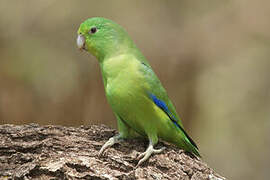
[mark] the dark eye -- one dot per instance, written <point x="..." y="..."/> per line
<point x="93" y="30"/>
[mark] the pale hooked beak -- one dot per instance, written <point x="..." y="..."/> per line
<point x="81" y="42"/>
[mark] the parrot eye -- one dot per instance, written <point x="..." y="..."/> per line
<point x="93" y="30"/>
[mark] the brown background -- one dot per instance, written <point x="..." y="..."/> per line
<point x="213" y="58"/>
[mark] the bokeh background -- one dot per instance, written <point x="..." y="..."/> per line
<point x="213" y="57"/>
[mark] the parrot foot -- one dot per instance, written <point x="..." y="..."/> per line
<point x="113" y="140"/>
<point x="149" y="151"/>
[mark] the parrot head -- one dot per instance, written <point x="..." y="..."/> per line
<point x="102" y="37"/>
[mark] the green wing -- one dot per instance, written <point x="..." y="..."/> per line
<point x="159" y="96"/>
<point x="156" y="89"/>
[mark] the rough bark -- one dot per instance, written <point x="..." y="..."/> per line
<point x="57" y="152"/>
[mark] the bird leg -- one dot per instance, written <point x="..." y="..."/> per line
<point x="149" y="151"/>
<point x="113" y="140"/>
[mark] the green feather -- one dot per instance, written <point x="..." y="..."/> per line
<point x="128" y="79"/>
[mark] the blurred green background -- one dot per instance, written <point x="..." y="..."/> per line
<point x="213" y="57"/>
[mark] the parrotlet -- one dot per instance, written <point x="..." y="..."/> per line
<point x="139" y="101"/>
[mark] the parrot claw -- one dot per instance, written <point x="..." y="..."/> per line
<point x="149" y="151"/>
<point x="109" y="143"/>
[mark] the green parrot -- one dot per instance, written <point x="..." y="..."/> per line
<point x="139" y="101"/>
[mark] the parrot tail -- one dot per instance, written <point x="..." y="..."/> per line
<point x="190" y="145"/>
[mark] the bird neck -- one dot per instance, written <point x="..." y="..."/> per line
<point x="119" y="46"/>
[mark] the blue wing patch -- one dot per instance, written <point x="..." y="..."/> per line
<point x="165" y="108"/>
<point x="162" y="105"/>
<point x="159" y="103"/>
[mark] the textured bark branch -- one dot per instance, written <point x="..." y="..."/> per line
<point x="44" y="152"/>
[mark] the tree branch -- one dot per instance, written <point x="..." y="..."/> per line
<point x="43" y="152"/>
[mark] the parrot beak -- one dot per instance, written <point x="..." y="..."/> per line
<point x="81" y="42"/>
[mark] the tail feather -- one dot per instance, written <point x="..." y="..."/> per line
<point x="193" y="149"/>
<point x="190" y="144"/>
<point x="189" y="138"/>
